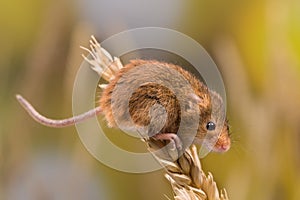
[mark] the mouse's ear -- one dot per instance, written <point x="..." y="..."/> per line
<point x="195" y="98"/>
<point x="203" y="100"/>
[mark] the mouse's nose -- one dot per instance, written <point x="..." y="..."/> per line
<point x="223" y="144"/>
<point x="221" y="148"/>
<point x="225" y="147"/>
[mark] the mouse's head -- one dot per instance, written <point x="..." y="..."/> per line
<point x="217" y="136"/>
<point x="213" y="131"/>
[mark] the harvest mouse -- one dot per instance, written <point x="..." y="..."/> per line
<point x="160" y="100"/>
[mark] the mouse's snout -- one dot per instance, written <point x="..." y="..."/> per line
<point x="223" y="143"/>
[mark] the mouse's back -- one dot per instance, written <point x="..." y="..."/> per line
<point x="153" y="96"/>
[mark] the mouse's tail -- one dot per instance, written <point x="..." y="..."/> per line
<point x="57" y="123"/>
<point x="102" y="62"/>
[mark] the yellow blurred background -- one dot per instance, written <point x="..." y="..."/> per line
<point x="255" y="44"/>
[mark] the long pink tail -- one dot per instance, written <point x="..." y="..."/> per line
<point x="57" y="123"/>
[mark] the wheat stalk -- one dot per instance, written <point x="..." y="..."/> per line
<point x="187" y="179"/>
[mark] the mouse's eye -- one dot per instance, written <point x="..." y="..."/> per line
<point x="210" y="126"/>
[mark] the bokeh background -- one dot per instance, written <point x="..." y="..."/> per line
<point x="255" y="44"/>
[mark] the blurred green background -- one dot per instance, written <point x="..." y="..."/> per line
<point x="255" y="44"/>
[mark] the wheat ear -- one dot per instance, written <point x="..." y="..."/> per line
<point x="185" y="175"/>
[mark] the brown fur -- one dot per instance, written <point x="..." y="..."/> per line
<point x="151" y="93"/>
